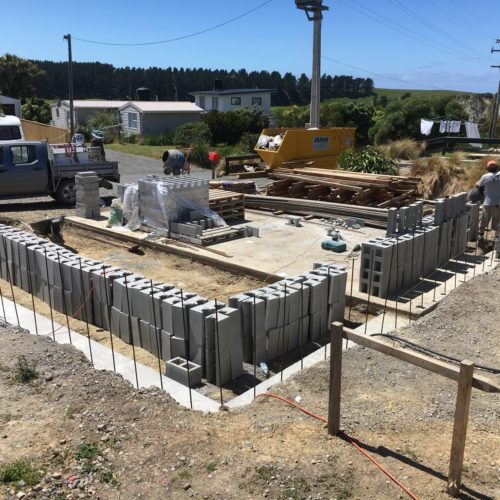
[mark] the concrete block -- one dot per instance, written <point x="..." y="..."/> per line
<point x="183" y="371"/>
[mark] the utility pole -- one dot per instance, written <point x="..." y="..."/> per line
<point x="493" y="126"/>
<point x="70" y="77"/>
<point x="314" y="12"/>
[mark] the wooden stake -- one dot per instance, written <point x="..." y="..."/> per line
<point x="460" y="427"/>
<point x="335" y="377"/>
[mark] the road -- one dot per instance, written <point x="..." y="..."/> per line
<point x="132" y="167"/>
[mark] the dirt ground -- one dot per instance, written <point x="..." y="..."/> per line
<point x="90" y="434"/>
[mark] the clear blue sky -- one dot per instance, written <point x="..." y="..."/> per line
<point x="442" y="44"/>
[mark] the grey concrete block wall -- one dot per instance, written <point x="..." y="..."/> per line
<point x="168" y="322"/>
<point x="415" y="245"/>
<point x="283" y="316"/>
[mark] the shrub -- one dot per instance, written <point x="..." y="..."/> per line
<point x="191" y="133"/>
<point x="403" y="149"/>
<point x="106" y="121"/>
<point x="24" y="371"/>
<point x="445" y="176"/>
<point x="88" y="451"/>
<point x="129" y="139"/>
<point x="367" y="160"/>
<point x="164" y="139"/>
<point x="229" y="127"/>
<point x="20" y="470"/>
<point x="247" y="142"/>
<point x="199" y="155"/>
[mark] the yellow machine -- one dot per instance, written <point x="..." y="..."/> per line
<point x="318" y="148"/>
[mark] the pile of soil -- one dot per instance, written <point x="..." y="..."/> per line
<point x="86" y="433"/>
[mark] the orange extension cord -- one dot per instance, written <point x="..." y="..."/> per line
<point x="344" y="436"/>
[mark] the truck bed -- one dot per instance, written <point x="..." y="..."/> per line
<point x="106" y="169"/>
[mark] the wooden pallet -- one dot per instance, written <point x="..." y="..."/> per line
<point x="227" y="204"/>
<point x="211" y="236"/>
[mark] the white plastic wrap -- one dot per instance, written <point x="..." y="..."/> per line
<point x="174" y="199"/>
<point x="131" y="207"/>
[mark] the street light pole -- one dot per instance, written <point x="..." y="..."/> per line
<point x="70" y="78"/>
<point x="314" y="12"/>
<point x="316" y="75"/>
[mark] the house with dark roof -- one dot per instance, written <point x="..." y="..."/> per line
<point x="232" y="99"/>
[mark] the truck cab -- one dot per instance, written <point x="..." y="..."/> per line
<point x="23" y="168"/>
<point x="10" y="129"/>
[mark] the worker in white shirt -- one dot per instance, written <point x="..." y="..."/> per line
<point x="489" y="186"/>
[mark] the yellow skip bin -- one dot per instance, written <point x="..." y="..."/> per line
<point x="317" y="147"/>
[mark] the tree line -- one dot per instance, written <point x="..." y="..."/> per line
<point x="98" y="80"/>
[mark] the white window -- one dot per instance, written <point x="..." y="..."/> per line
<point x="132" y="120"/>
<point x="201" y="101"/>
<point x="215" y="102"/>
<point x="57" y="112"/>
<point x="235" y="101"/>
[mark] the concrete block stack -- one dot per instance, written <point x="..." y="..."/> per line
<point x="283" y="316"/>
<point x="87" y="195"/>
<point x="415" y="245"/>
<point x="163" y="200"/>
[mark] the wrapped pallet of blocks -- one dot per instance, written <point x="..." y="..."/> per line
<point x="164" y="200"/>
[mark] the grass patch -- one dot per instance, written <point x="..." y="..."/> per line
<point x="265" y="472"/>
<point x="20" y="470"/>
<point x="155" y="152"/>
<point x="107" y="476"/>
<point x="185" y="474"/>
<point x="211" y="466"/>
<point x="24" y="371"/>
<point x="297" y="489"/>
<point x="88" y="451"/>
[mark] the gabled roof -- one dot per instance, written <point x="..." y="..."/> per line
<point x="82" y="103"/>
<point x="164" y="106"/>
<point x="231" y="91"/>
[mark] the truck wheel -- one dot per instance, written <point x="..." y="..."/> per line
<point x="66" y="194"/>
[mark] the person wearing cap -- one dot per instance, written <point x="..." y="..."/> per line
<point x="489" y="185"/>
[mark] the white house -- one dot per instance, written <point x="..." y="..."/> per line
<point x="232" y="99"/>
<point x="10" y="106"/>
<point x="82" y="111"/>
<point x="155" y="117"/>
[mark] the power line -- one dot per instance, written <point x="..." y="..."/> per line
<point x="471" y="14"/>
<point x="381" y="75"/>
<point x="431" y="26"/>
<point x="183" y="37"/>
<point x="409" y="33"/>
<point x="457" y="20"/>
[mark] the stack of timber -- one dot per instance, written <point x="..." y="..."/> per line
<point x="372" y="216"/>
<point x="369" y="190"/>
<point x="227" y="204"/>
<point x="238" y="186"/>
